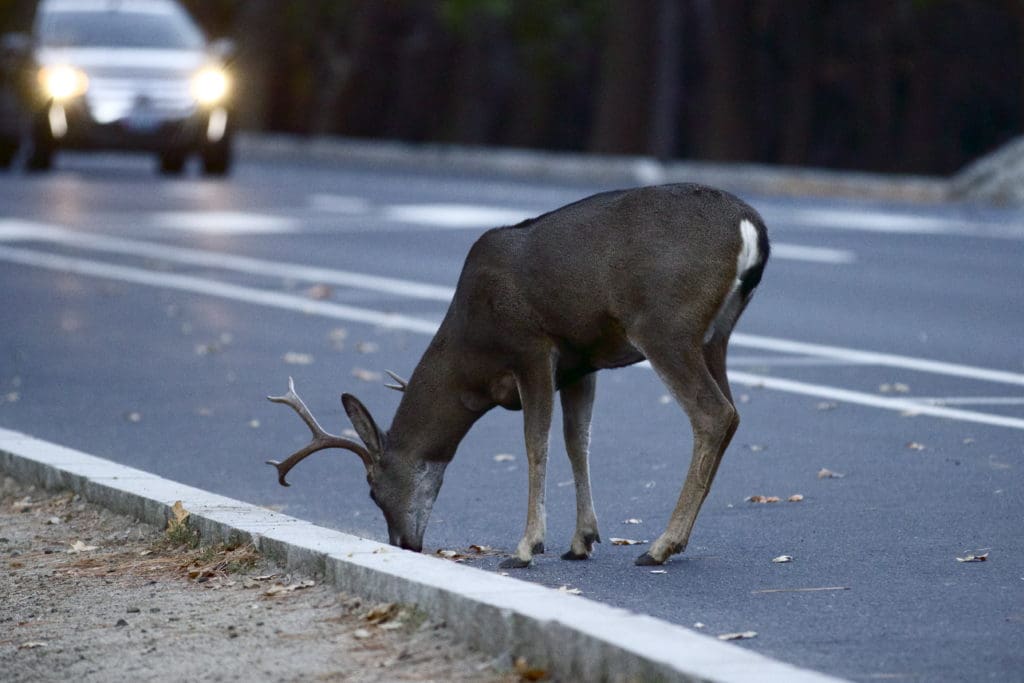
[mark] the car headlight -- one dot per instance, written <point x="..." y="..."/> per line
<point x="63" y="82"/>
<point x="210" y="85"/>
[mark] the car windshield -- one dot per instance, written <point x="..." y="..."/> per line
<point x="119" y="28"/>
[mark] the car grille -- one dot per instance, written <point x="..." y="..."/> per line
<point x="111" y="99"/>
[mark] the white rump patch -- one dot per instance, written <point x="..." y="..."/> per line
<point x="748" y="252"/>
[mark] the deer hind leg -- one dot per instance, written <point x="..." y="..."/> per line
<point x="693" y="381"/>
<point x="537" y="392"/>
<point x="577" y="407"/>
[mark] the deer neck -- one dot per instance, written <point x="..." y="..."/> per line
<point x="432" y="418"/>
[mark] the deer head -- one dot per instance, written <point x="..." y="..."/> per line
<point x="402" y="486"/>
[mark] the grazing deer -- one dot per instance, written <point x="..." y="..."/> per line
<point x="657" y="273"/>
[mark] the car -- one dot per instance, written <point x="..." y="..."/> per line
<point x="117" y="74"/>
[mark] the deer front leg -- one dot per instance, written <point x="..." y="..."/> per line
<point x="536" y="391"/>
<point x="577" y="407"/>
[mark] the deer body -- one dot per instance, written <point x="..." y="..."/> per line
<point x="658" y="273"/>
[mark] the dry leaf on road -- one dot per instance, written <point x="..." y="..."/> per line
<point x="743" y="635"/>
<point x="762" y="499"/>
<point x="504" y="457"/>
<point x="625" y="541"/>
<point x="973" y="558"/>
<point x="795" y="498"/>
<point x="825" y="473"/>
<point x="366" y="375"/>
<point x="781" y="559"/>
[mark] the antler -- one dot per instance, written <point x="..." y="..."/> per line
<point x="321" y="438"/>
<point x="400" y="384"/>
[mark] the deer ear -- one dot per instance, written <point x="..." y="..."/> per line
<point x="364" y="425"/>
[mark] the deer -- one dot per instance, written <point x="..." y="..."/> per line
<point x="660" y="273"/>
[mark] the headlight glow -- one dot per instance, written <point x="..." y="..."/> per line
<point x="63" y="82"/>
<point x="210" y="85"/>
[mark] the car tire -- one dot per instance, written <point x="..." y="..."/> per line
<point x="217" y="158"/>
<point x="8" y="150"/>
<point x="172" y="162"/>
<point x="41" y="146"/>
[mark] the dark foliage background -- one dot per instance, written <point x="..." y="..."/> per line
<point x="886" y="85"/>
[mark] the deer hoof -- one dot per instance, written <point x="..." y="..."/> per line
<point x="514" y="563"/>
<point x="538" y="548"/>
<point x="571" y="555"/>
<point x="646" y="560"/>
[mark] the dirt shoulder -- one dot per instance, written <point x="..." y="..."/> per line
<point x="89" y="595"/>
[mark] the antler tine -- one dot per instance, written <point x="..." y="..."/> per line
<point x="400" y="384"/>
<point x="321" y="438"/>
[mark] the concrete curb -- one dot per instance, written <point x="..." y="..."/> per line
<point x="572" y="637"/>
<point x="624" y="170"/>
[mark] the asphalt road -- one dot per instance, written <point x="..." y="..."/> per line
<point x="144" y="320"/>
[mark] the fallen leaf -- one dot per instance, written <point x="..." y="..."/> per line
<point x="366" y="375"/>
<point x="570" y="591"/>
<point x="381" y="613"/>
<point x="659" y="571"/>
<point x="296" y="358"/>
<point x="453" y="555"/>
<point x="79" y="547"/>
<point x="179" y="516"/>
<point x="915" y="446"/>
<point x="319" y="292"/>
<point x="31" y="645"/>
<point x="781" y="559"/>
<point x="795" y="498"/>
<point x="481" y="549"/>
<point x="280" y="589"/>
<point x="974" y="558"/>
<point x="632" y="520"/>
<point x="824" y="473"/>
<point x="743" y="635"/>
<point x="504" y="457"/>
<point x="625" y="541"/>
<point x="529" y="673"/>
<point x="762" y="499"/>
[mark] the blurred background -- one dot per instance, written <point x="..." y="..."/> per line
<point x="920" y="86"/>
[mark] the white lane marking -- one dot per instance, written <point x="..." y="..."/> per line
<point x="864" y="220"/>
<point x="341" y="204"/>
<point x="25" y="230"/>
<point x="900" y="405"/>
<point x="786" y="361"/>
<point x="223" y="222"/>
<point x="799" y="252"/>
<point x="874" y="358"/>
<point x="294" y="303"/>
<point x="198" y="285"/>
<point x="971" y="401"/>
<point x="454" y="215"/>
<point x="17" y="229"/>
